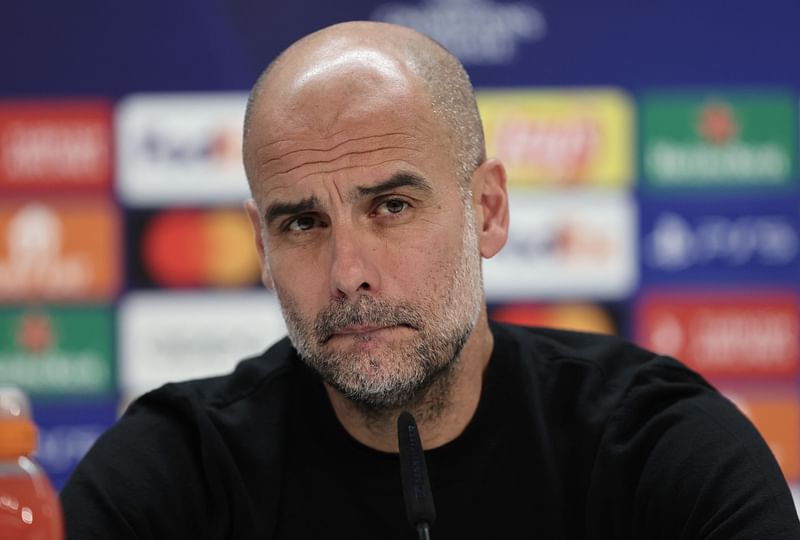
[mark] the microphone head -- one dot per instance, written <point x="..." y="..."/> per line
<point x="414" y="473"/>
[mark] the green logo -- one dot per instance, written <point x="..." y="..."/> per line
<point x="58" y="352"/>
<point x="705" y="140"/>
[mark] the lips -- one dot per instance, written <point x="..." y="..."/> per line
<point x="359" y="333"/>
<point x="362" y="330"/>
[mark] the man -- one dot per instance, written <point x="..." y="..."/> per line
<point x="373" y="203"/>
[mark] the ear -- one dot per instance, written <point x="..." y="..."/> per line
<point x="258" y="236"/>
<point x="490" y="200"/>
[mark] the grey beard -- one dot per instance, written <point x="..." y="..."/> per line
<point x="427" y="363"/>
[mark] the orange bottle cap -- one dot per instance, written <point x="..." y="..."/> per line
<point x="17" y="431"/>
<point x="17" y="437"/>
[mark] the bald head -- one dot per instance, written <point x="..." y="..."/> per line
<point x="359" y="58"/>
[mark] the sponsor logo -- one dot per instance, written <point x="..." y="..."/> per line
<point x="185" y="248"/>
<point x="181" y="148"/>
<point x="478" y="32"/>
<point x="717" y="124"/>
<point x="47" y="144"/>
<point x="566" y="245"/>
<point x="63" y="251"/>
<point x="775" y="412"/>
<point x="724" y="334"/>
<point x="675" y="244"/>
<point x="66" y="432"/>
<point x="560" y="138"/>
<point x="745" y="239"/>
<point x="569" y="316"/>
<point x="737" y="140"/>
<point x="35" y="334"/>
<point x="57" y="352"/>
<point x="174" y="336"/>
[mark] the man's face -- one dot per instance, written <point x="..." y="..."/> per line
<point x="369" y="243"/>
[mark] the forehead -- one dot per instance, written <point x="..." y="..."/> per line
<point x="345" y="135"/>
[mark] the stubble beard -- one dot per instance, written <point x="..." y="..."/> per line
<point x="406" y="373"/>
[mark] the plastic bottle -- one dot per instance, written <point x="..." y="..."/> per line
<point x="29" y="507"/>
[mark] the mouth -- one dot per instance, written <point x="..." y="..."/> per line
<point x="363" y="331"/>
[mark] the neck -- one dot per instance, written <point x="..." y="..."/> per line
<point x="442" y="412"/>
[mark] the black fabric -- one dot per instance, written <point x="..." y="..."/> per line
<point x="576" y="436"/>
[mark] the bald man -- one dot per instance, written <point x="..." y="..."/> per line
<point x="373" y="204"/>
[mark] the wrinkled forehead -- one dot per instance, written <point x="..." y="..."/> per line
<point x="354" y="105"/>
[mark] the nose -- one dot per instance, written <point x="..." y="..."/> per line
<point x="354" y="264"/>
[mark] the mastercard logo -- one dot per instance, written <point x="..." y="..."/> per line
<point x="200" y="248"/>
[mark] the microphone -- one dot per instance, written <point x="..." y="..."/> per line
<point x="414" y="475"/>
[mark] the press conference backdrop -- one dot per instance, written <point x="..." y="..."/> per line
<point x="652" y="154"/>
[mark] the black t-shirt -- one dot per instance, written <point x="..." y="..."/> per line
<point x="475" y="479"/>
<point x="576" y="437"/>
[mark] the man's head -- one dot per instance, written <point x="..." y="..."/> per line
<point x="373" y="202"/>
<point x="441" y="74"/>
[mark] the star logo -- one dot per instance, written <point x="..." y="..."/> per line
<point x="35" y="333"/>
<point x="716" y="123"/>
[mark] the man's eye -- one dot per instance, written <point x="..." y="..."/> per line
<point x="393" y="206"/>
<point x="302" y="223"/>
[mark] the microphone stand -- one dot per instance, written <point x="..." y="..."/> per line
<point x="423" y="531"/>
<point x="414" y="475"/>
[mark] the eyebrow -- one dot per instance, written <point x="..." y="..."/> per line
<point x="398" y="180"/>
<point x="279" y="209"/>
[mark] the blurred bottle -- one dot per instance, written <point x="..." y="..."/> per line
<point x="29" y="507"/>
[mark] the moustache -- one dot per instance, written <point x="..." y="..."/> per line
<point x="366" y="311"/>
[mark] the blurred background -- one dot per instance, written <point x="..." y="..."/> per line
<point x="652" y="153"/>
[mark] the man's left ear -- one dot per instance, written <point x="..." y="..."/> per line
<point x="490" y="200"/>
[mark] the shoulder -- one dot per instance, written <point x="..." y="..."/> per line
<point x="240" y="415"/>
<point x="175" y="442"/>
<point x="597" y="389"/>
<point x="663" y="450"/>
<point x="612" y="362"/>
<point x="259" y="379"/>
<point x="630" y="398"/>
